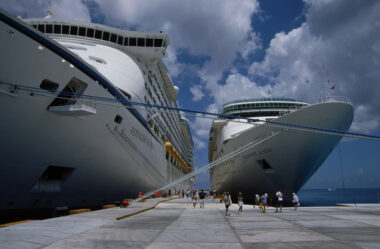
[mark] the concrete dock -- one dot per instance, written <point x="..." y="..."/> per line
<point x="176" y="224"/>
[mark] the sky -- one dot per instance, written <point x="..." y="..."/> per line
<point x="224" y="50"/>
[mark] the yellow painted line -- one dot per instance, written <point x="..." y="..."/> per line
<point x="340" y="205"/>
<point x="109" y="206"/>
<point x="79" y="211"/>
<point x="143" y="210"/>
<point x="15" y="223"/>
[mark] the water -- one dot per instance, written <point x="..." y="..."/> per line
<point x="329" y="197"/>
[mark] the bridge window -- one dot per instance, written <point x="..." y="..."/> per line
<point x="120" y="40"/>
<point x="149" y="42"/>
<point x="126" y="41"/>
<point x="49" y="28"/>
<point x="82" y="31"/>
<point x="106" y="36"/>
<point x="73" y="30"/>
<point x="157" y="42"/>
<point x="65" y="29"/>
<point x="141" y="42"/>
<point x="90" y="32"/>
<point x="41" y="28"/>
<point x="132" y="41"/>
<point x="98" y="34"/>
<point x="57" y="29"/>
<point x="113" y="38"/>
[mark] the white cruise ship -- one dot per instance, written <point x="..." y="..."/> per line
<point x="283" y="158"/>
<point x="71" y="132"/>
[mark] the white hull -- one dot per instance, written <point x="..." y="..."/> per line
<point x="292" y="156"/>
<point x="107" y="161"/>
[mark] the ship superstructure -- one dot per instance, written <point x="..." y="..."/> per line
<point x="61" y="147"/>
<point x="283" y="159"/>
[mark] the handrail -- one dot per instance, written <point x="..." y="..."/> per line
<point x="327" y="99"/>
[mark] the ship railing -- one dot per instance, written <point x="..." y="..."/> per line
<point x="86" y="102"/>
<point x="289" y="110"/>
<point x="342" y="99"/>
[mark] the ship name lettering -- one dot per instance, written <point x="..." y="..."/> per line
<point x="142" y="137"/>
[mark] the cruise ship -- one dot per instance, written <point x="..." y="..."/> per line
<point x="280" y="158"/>
<point x="75" y="131"/>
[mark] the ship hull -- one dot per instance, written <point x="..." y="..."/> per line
<point x="65" y="158"/>
<point x="286" y="160"/>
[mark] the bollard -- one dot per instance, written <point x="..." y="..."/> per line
<point x="124" y="204"/>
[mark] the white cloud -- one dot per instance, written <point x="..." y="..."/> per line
<point x="217" y="29"/>
<point x="341" y="37"/>
<point x="199" y="144"/>
<point x="197" y="92"/>
<point x="63" y="9"/>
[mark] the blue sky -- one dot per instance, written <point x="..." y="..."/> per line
<point x="223" y="50"/>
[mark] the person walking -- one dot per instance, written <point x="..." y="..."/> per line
<point x="240" y="203"/>
<point x="202" y="196"/>
<point x="278" y="199"/>
<point x="264" y="201"/>
<point x="295" y="201"/>
<point x="227" y="202"/>
<point x="257" y="200"/>
<point x="194" y="199"/>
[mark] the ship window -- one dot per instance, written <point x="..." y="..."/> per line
<point x="113" y="38"/>
<point x="57" y="29"/>
<point x="65" y="29"/>
<point x="49" y="28"/>
<point x="51" y="179"/>
<point x="98" y="34"/>
<point x="35" y="26"/>
<point x="90" y="32"/>
<point x="70" y="93"/>
<point x="73" y="30"/>
<point x="265" y="165"/>
<point x="120" y="40"/>
<point x="126" y="41"/>
<point x="132" y="41"/>
<point x="41" y="28"/>
<point x="149" y="42"/>
<point x="164" y="44"/>
<point x="106" y="36"/>
<point x="141" y="42"/>
<point x="49" y="85"/>
<point x="157" y="42"/>
<point x="118" y="119"/>
<point x="82" y="31"/>
<point x="97" y="59"/>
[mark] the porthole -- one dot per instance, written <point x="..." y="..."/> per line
<point x="49" y="85"/>
<point x="118" y="119"/>
<point x="97" y="59"/>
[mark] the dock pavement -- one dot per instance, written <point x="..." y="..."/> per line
<point x="176" y="224"/>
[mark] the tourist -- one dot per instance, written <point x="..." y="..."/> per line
<point x="227" y="202"/>
<point x="194" y="199"/>
<point x="295" y="201"/>
<point x="264" y="201"/>
<point x="257" y="200"/>
<point x="202" y="196"/>
<point x="240" y="203"/>
<point x="278" y="200"/>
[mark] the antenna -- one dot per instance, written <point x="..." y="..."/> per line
<point x="49" y="11"/>
<point x="269" y="93"/>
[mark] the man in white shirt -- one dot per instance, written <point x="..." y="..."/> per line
<point x="279" y="199"/>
